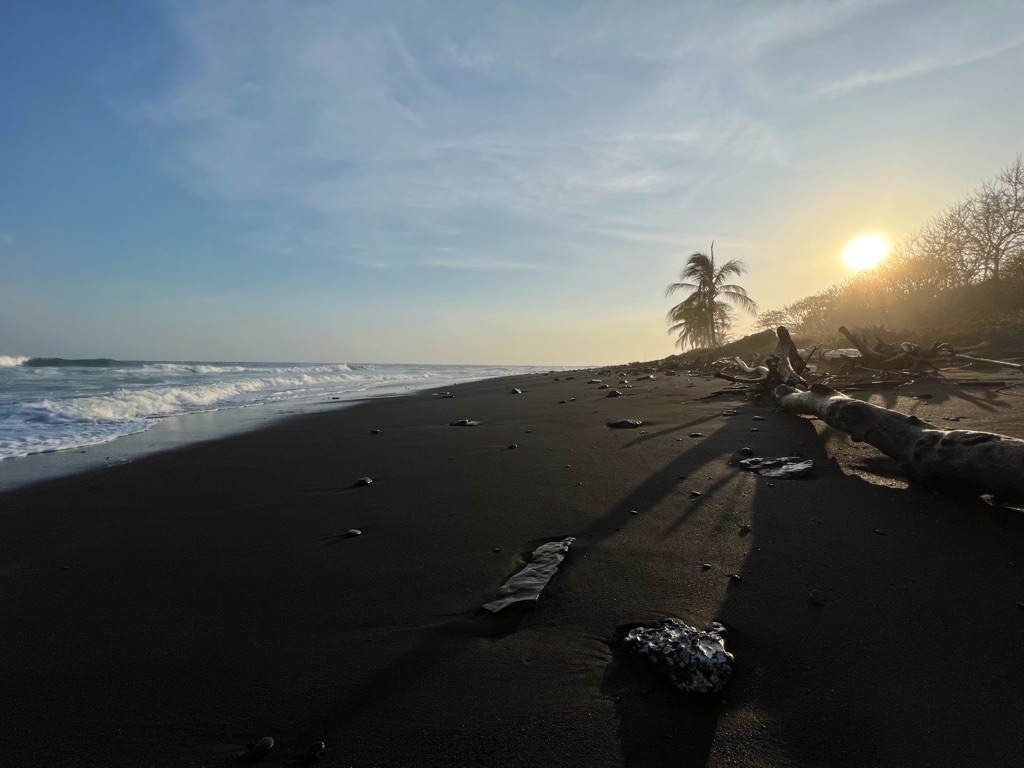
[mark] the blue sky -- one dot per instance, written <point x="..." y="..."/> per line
<point x="466" y="181"/>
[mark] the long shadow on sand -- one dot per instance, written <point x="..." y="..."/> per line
<point x="914" y="658"/>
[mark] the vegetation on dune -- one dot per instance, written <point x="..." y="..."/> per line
<point x="963" y="269"/>
<point x="704" y="317"/>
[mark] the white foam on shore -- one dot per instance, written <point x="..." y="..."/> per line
<point x="45" y="409"/>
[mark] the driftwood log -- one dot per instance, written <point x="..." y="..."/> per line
<point x="960" y="460"/>
<point x="760" y="370"/>
<point x="888" y="357"/>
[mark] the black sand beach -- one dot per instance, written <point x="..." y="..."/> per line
<point x="171" y="610"/>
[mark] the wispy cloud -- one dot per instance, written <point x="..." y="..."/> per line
<point x="514" y="134"/>
<point x="910" y="69"/>
<point x="484" y="264"/>
<point x="385" y="124"/>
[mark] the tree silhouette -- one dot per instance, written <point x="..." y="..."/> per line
<point x="703" y="318"/>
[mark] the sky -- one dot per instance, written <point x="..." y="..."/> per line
<point x="466" y="181"/>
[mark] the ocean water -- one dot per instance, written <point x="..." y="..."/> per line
<point x="51" y="404"/>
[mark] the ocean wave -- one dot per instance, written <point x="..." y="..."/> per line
<point x="56" y="408"/>
<point x="9" y="361"/>
<point x="61" y="362"/>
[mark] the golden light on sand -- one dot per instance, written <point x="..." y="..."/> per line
<point x="866" y="251"/>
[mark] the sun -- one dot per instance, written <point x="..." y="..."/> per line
<point x="866" y="251"/>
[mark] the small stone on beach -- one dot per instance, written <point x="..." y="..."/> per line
<point x="465" y="423"/>
<point x="374" y="431"/>
<point x="516" y="391"/>
<point x="513" y="446"/>
<point x="625" y="424"/>
<point x="353" y="532"/>
<point x="614" y="393"/>
<point x="746" y="451"/>
<point x="696" y="434"/>
<point x="363" y="481"/>
<point x="816" y="598"/>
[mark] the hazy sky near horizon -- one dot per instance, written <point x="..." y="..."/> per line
<point x="466" y="182"/>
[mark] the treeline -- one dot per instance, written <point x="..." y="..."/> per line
<point x="966" y="265"/>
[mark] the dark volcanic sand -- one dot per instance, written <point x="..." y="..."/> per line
<point x="168" y="611"/>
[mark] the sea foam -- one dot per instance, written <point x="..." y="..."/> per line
<point x="58" y="407"/>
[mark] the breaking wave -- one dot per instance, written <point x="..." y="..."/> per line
<point x="57" y="407"/>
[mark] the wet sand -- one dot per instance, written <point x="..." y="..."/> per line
<point x="170" y="610"/>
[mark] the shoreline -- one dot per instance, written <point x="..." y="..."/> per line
<point x="172" y="432"/>
<point x="173" y="609"/>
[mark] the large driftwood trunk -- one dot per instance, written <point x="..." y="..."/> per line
<point x="971" y="462"/>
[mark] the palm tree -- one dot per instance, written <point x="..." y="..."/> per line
<point x="702" y="318"/>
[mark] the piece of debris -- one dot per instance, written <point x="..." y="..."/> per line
<point x="728" y="413"/>
<point x="363" y="481"/>
<point x="706" y="567"/>
<point x="625" y="424"/>
<point x="783" y="466"/>
<point x="755" y="429"/>
<point x="465" y="423"/>
<point x="694" y="660"/>
<point x="526" y="586"/>
<point x="694" y="494"/>
<point x="757" y="418"/>
<point x="594" y="381"/>
<point x="734" y="577"/>
<point x="634" y="512"/>
<point x="262" y="747"/>
<point x="516" y="391"/>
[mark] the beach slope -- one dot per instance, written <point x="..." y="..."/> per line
<point x="174" y="609"/>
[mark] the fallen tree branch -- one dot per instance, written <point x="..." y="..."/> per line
<point x="738" y="380"/>
<point x="761" y="369"/>
<point x="976" y="462"/>
<point x="1004" y="363"/>
<point x="788" y="359"/>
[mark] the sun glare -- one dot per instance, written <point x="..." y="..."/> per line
<point x="866" y="251"/>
